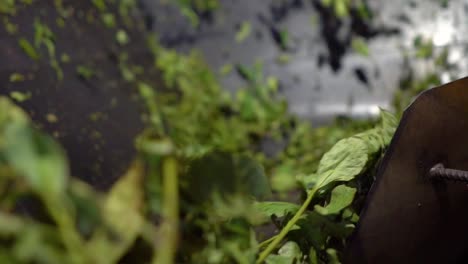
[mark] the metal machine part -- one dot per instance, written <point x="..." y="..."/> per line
<point x="412" y="215"/>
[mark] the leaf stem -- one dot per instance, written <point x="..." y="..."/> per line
<point x="66" y="226"/>
<point x="169" y="229"/>
<point x="278" y="238"/>
<point x="266" y="242"/>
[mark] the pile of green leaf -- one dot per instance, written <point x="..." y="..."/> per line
<point x="202" y="188"/>
<point x="201" y="185"/>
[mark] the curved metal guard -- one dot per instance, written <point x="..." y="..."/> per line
<point x="410" y="218"/>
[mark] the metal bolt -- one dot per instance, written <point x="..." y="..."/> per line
<point x="442" y="173"/>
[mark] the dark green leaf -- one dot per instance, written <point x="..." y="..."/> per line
<point x="226" y="174"/>
<point x="333" y="256"/>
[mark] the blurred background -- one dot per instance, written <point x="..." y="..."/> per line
<point x="330" y="57"/>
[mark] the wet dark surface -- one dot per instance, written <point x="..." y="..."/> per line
<point x="96" y="119"/>
<point x="324" y="77"/>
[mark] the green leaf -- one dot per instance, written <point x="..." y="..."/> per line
<point x="333" y="256"/>
<point x="20" y="96"/>
<point x="38" y="158"/>
<point x="277" y="259"/>
<point x="33" y="155"/>
<point x="290" y="249"/>
<point x="343" y="162"/>
<point x="283" y="58"/>
<point x="424" y="47"/>
<point x="226" y="174"/>
<point x="241" y="250"/>
<point x="85" y="72"/>
<point x="243" y="32"/>
<point x="317" y="229"/>
<point x="28" y="48"/>
<point x="17" y="77"/>
<point x="100" y="5"/>
<point x="327" y="3"/>
<point x="33" y="246"/>
<point x="350" y="215"/>
<point x="108" y="19"/>
<point x="252" y="177"/>
<point x="389" y="125"/>
<point x="284" y="39"/>
<point x="246" y="73"/>
<point x="341" y="197"/>
<point x="313" y="256"/>
<point x="122" y="37"/>
<point x="191" y="15"/>
<point x="123" y="213"/>
<point x="283" y="179"/>
<point x="341" y="8"/>
<point x="226" y="69"/>
<point x="379" y="137"/>
<point x="235" y="207"/>
<point x="278" y="209"/>
<point x="360" y="46"/>
<point x="289" y="253"/>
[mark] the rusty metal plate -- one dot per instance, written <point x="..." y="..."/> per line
<point x="409" y="218"/>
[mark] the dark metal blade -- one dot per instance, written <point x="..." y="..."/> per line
<point x="409" y="218"/>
